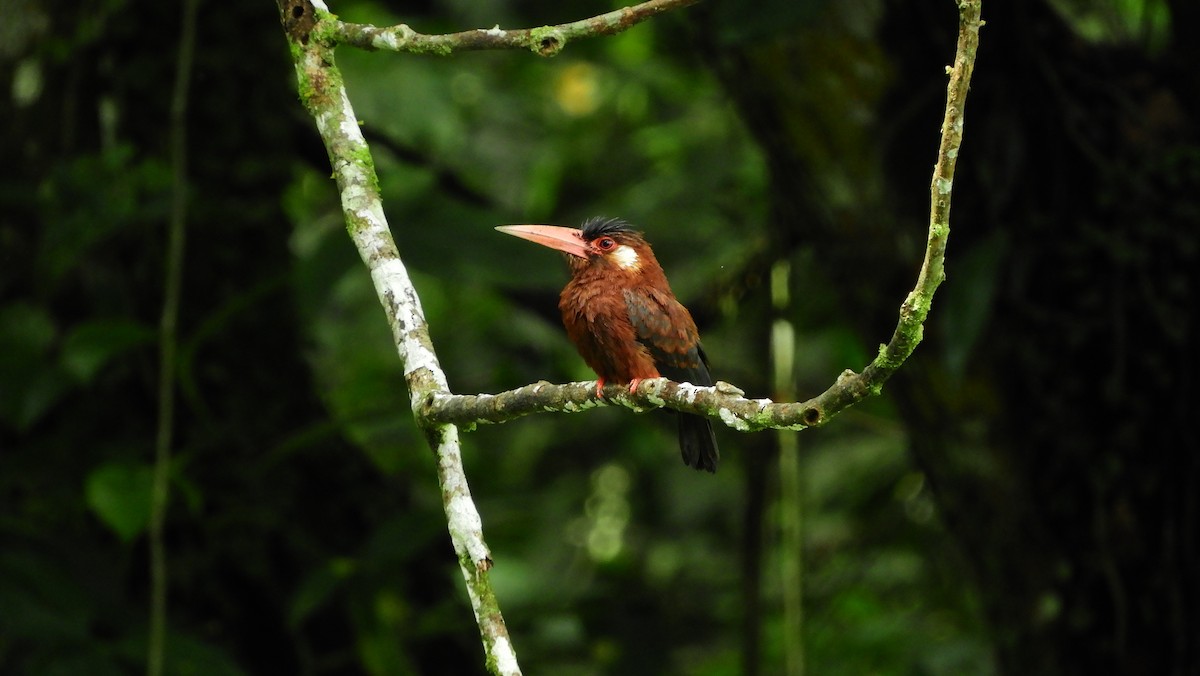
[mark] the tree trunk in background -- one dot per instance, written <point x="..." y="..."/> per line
<point x="1051" y="405"/>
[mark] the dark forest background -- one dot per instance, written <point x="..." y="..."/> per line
<point x="1022" y="499"/>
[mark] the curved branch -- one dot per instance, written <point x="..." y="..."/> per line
<point x="725" y="402"/>
<point x="546" y="41"/>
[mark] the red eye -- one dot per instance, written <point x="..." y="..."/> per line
<point x="606" y="243"/>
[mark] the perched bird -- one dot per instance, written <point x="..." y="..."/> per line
<point x="619" y="312"/>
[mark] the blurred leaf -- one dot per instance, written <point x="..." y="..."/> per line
<point x="380" y="621"/>
<point x="186" y="655"/>
<point x="190" y="656"/>
<point x="739" y="25"/>
<point x="119" y="494"/>
<point x="29" y="383"/>
<point x="317" y="588"/>
<point x="1147" y="22"/>
<point x="89" y="346"/>
<point x="67" y="663"/>
<point x="40" y="600"/>
<point x="25" y="331"/>
<point x="78" y="216"/>
<point x="47" y="387"/>
<point x="967" y="304"/>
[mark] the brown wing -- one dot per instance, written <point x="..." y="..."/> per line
<point x="666" y="329"/>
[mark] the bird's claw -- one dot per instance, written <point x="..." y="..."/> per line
<point x="633" y="385"/>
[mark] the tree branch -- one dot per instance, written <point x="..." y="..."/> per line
<point x="725" y="402"/>
<point x="546" y="41"/>
<point x="324" y="95"/>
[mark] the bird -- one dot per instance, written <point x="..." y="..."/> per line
<point x="621" y="315"/>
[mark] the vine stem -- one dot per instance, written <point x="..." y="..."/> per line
<point x="169" y="343"/>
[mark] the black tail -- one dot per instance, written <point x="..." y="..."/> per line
<point x="697" y="442"/>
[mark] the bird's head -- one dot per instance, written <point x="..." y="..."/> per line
<point x="601" y="243"/>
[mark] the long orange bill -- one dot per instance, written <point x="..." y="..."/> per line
<point x="567" y="240"/>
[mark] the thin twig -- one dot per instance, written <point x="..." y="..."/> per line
<point x="169" y="342"/>
<point x="546" y="41"/>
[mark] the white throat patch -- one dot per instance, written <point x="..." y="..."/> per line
<point x="626" y="257"/>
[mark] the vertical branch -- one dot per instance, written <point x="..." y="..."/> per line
<point x="168" y="341"/>
<point x="791" y="545"/>
<point x="791" y="504"/>
<point x="757" y="484"/>
<point x="308" y="26"/>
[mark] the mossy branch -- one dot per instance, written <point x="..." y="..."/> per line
<point x="324" y="95"/>
<point x="545" y="40"/>
<point x="723" y="402"/>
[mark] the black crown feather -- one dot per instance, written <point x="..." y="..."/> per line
<point x="598" y="226"/>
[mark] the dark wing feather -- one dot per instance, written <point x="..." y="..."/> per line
<point x="666" y="329"/>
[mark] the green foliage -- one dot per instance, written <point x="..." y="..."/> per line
<point x="1142" y="22"/>
<point x="119" y="494"/>
<point x="89" y="347"/>
<point x="306" y="530"/>
<point x="39" y="367"/>
<point x="964" y="309"/>
<point x="33" y="382"/>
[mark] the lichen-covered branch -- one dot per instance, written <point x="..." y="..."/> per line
<point x="546" y="40"/>
<point x="916" y="305"/>
<point x="324" y="95"/>
<point x="724" y="402"/>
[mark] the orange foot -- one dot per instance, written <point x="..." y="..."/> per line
<point x="633" y="385"/>
<point x="599" y="388"/>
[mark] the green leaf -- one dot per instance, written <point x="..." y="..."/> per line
<point x="27" y="329"/>
<point x="318" y="587"/>
<point x="91" y="345"/>
<point x="187" y="654"/>
<point x="30" y="383"/>
<point x="966" y="305"/>
<point x="119" y="494"/>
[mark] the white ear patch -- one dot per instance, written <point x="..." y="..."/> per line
<point x="626" y="257"/>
